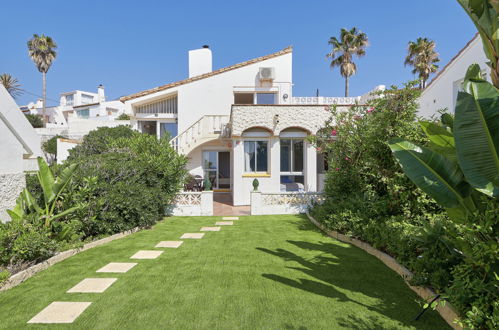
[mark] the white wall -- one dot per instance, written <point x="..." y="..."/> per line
<point x="442" y="92"/>
<point x="215" y="95"/>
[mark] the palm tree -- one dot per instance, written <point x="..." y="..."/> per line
<point x="422" y="56"/>
<point x="352" y="43"/>
<point x="41" y="49"/>
<point x="11" y="84"/>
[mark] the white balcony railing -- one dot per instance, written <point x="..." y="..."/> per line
<point x="306" y="100"/>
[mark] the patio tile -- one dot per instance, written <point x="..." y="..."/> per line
<point x="192" y="235"/>
<point x="224" y="223"/>
<point x="117" y="267"/>
<point x="169" y="244"/>
<point x="60" y="312"/>
<point x="230" y="218"/>
<point x="210" y="229"/>
<point x="146" y="254"/>
<point x="92" y="285"/>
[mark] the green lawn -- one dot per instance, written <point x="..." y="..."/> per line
<point x="265" y="272"/>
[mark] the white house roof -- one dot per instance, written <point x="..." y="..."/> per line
<point x="206" y="75"/>
<point x="18" y="125"/>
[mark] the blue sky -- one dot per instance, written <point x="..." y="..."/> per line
<point x="130" y="46"/>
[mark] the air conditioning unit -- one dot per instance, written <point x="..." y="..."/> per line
<point x="266" y="74"/>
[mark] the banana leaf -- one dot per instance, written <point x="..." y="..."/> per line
<point x="441" y="139"/>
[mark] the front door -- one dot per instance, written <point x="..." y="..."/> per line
<point x="216" y="166"/>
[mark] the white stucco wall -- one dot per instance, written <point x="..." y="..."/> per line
<point x="11" y="186"/>
<point x="442" y="91"/>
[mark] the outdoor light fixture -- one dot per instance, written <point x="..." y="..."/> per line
<point x="285" y="97"/>
<point x="276" y="119"/>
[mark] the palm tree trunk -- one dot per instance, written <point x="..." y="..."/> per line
<point x="346" y="86"/>
<point x="44" y="83"/>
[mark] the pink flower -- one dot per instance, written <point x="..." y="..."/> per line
<point x="319" y="149"/>
<point x="333" y="132"/>
<point x="346" y="158"/>
<point x="337" y="169"/>
<point x="370" y="110"/>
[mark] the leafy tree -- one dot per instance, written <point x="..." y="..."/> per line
<point x="351" y="43"/>
<point x="41" y="49"/>
<point x="422" y="57"/>
<point x="123" y="116"/>
<point x="11" y="84"/>
<point x="35" y="120"/>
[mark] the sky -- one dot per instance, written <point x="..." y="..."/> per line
<point x="129" y="46"/>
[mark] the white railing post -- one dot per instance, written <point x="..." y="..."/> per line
<point x="256" y="203"/>
<point x="207" y="203"/>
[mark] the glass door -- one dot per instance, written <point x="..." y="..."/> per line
<point x="216" y="166"/>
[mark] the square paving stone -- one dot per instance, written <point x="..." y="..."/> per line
<point x="210" y="229"/>
<point x="117" y="267"/>
<point x="169" y="244"/>
<point x="60" y="312"/>
<point x="92" y="285"/>
<point x="224" y="223"/>
<point x="192" y="235"/>
<point x="230" y="218"/>
<point x="146" y="254"/>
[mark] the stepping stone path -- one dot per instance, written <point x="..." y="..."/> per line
<point x="60" y="312"/>
<point x="224" y="223"/>
<point x="169" y="244"/>
<point x="146" y="254"/>
<point x="92" y="285"/>
<point x="117" y="267"/>
<point x="210" y="229"/>
<point x="192" y="235"/>
<point x="230" y="218"/>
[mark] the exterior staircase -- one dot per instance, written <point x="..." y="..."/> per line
<point x="207" y="128"/>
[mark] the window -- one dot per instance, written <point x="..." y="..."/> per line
<point x="168" y="128"/>
<point x="85" y="98"/>
<point x="84" y="113"/>
<point x="70" y="99"/>
<point x="292" y="156"/>
<point x="243" y="98"/>
<point x="256" y="156"/>
<point x="265" y="98"/>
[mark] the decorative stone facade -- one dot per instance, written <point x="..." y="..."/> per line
<point x="276" y="118"/>
<point x="11" y="186"/>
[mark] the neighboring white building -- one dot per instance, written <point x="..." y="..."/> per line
<point x="239" y="123"/>
<point x="78" y="104"/>
<point x="441" y="92"/>
<point x="19" y="147"/>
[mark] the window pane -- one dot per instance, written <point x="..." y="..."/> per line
<point x="261" y="159"/>
<point x="249" y="156"/>
<point x="209" y="159"/>
<point x="297" y="155"/>
<point x="243" y="98"/>
<point x="170" y="128"/>
<point x="265" y="98"/>
<point x="84" y="113"/>
<point x="285" y="155"/>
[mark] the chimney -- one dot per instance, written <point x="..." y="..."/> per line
<point x="199" y="61"/>
<point x="101" y="97"/>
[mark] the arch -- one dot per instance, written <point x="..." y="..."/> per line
<point x="294" y="131"/>
<point x="257" y="131"/>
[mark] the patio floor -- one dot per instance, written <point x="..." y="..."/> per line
<point x="223" y="205"/>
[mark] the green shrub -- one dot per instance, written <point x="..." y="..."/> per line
<point x="123" y="116"/>
<point x="35" y="120"/>
<point x="4" y="275"/>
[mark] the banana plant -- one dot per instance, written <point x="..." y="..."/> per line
<point x="461" y="159"/>
<point x="484" y="14"/>
<point x="26" y="204"/>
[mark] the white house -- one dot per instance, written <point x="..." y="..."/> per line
<point x="441" y="92"/>
<point x="19" y="147"/>
<point x="239" y="123"/>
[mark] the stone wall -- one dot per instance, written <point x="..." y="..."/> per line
<point x="11" y="186"/>
<point x="279" y="117"/>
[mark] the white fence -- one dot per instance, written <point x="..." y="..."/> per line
<point x="284" y="202"/>
<point x="192" y="204"/>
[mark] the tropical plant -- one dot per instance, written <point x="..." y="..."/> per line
<point x="422" y="57"/>
<point x="35" y="120"/>
<point x="41" y="49"/>
<point x="11" y="84"/>
<point x="461" y="157"/>
<point x="27" y="206"/>
<point x="484" y="14"/>
<point x="351" y="43"/>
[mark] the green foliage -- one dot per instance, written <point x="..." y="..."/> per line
<point x="35" y="120"/>
<point x="50" y="146"/>
<point x="123" y="116"/>
<point x="4" y="275"/>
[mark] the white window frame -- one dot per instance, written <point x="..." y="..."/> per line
<point x="256" y="160"/>
<point x="292" y="155"/>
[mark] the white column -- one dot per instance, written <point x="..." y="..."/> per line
<point x="275" y="164"/>
<point x="207" y="203"/>
<point x="310" y="167"/>
<point x="238" y="170"/>
<point x="256" y="203"/>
